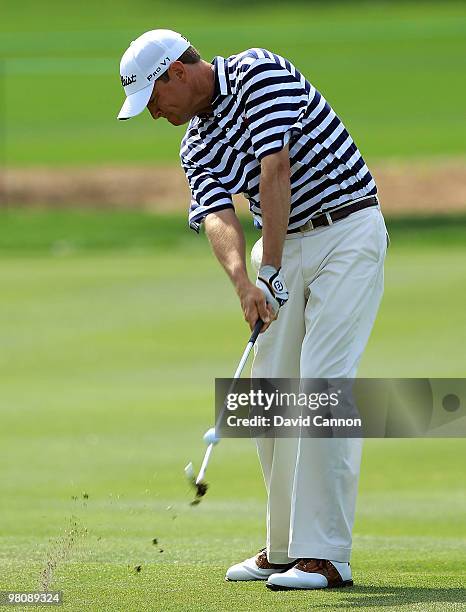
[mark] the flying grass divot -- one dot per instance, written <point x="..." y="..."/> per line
<point x="200" y="488"/>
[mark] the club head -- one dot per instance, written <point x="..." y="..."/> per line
<point x="189" y="471"/>
<point x="199" y="487"/>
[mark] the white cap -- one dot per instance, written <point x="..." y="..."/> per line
<point x="145" y="60"/>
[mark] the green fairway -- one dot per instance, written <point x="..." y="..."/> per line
<point x="394" y="71"/>
<point x="108" y="363"/>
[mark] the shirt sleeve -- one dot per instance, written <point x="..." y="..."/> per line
<point x="207" y="195"/>
<point x="275" y="102"/>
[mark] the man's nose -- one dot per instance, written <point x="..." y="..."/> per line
<point x="155" y="112"/>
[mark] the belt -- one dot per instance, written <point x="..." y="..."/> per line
<point x="328" y="218"/>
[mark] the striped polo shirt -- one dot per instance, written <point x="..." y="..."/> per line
<point x="261" y="103"/>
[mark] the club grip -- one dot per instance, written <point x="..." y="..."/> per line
<point x="256" y="331"/>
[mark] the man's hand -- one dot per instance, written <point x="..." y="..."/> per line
<point x="271" y="282"/>
<point x="255" y="306"/>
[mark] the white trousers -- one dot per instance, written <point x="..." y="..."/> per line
<point x="334" y="276"/>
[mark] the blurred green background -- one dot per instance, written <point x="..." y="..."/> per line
<point x="394" y="70"/>
<point x="114" y="324"/>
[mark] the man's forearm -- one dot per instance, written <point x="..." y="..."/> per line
<point x="275" y="197"/>
<point x="226" y="237"/>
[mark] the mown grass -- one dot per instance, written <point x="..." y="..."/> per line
<point x="109" y="351"/>
<point x="71" y="230"/>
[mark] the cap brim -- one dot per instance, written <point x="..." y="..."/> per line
<point x="135" y="103"/>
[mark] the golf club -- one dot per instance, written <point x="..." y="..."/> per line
<point x="210" y="438"/>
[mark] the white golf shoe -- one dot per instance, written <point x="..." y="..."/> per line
<point x="256" y="568"/>
<point x="312" y="574"/>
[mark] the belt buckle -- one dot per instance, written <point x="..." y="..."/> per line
<point x="306" y="227"/>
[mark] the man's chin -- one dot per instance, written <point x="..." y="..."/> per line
<point x="177" y="120"/>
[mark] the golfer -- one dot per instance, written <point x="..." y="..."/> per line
<point x="257" y="126"/>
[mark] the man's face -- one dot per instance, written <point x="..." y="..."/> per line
<point x="172" y="99"/>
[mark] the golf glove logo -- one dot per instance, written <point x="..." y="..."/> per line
<point x="270" y="281"/>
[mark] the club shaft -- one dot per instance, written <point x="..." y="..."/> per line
<point x="239" y="369"/>
<point x="244" y="358"/>
<point x="204" y="463"/>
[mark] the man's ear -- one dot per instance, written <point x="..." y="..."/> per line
<point x="177" y="70"/>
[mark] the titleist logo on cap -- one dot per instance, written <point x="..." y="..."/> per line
<point x="127" y="80"/>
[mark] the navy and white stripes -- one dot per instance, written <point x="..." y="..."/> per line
<point x="261" y="104"/>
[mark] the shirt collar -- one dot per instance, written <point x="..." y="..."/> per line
<point x="222" y="86"/>
<point x="221" y="73"/>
